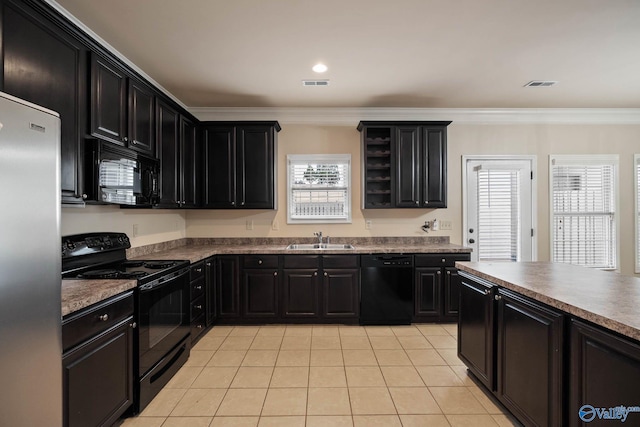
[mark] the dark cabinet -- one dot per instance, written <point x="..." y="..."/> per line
<point x="168" y="153"/>
<point x="198" y="300"/>
<point x="228" y="286"/>
<point x="404" y="164"/>
<point x="340" y="287"/>
<point x="210" y="290"/>
<point x="239" y="164"/>
<point x="142" y="120"/>
<point x="260" y="286"/>
<point x="451" y="292"/>
<point x="427" y="292"/>
<point x="47" y="65"/>
<point x="605" y="373"/>
<point x="529" y="359"/>
<point x="98" y="363"/>
<point x="188" y="164"/>
<point x="301" y="286"/>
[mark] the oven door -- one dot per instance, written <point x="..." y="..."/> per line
<point x="164" y="318"/>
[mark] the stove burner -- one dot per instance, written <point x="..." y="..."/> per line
<point x="135" y="274"/>
<point x="129" y="264"/>
<point x="100" y="274"/>
<point x="159" y="264"/>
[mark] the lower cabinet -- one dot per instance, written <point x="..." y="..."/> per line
<point x="227" y="283"/>
<point x="301" y="286"/>
<point x="341" y="293"/>
<point x="97" y="363"/>
<point x="198" y="300"/>
<point x="260" y="286"/>
<point x="210" y="289"/>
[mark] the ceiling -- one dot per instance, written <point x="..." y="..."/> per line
<point x="380" y="53"/>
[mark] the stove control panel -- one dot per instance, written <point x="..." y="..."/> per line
<point x="92" y="243"/>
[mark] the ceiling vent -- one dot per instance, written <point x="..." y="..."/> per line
<point x="541" y="83"/>
<point x="315" y="83"/>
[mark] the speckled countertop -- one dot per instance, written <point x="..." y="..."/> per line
<point x="78" y="294"/>
<point x="605" y="298"/>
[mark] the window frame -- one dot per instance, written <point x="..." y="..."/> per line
<point x="636" y="217"/>
<point x="587" y="160"/>
<point x="319" y="159"/>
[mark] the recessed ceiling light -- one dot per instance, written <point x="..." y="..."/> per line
<point x="319" y="68"/>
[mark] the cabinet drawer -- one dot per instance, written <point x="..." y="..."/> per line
<point x="197" y="327"/>
<point x="340" y="261"/>
<point x="197" y="270"/>
<point x="261" y="261"/>
<point x="302" y="261"/>
<point x="197" y="307"/>
<point x="197" y="288"/>
<point x="440" y="260"/>
<point x="95" y="319"/>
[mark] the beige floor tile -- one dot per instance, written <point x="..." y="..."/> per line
<point x="260" y="358"/>
<point x="352" y="331"/>
<point x="376" y="421"/>
<point x="401" y="376"/>
<point x="443" y="342"/>
<point x="439" y="376"/>
<point x="425" y="357"/>
<point x="266" y="343"/>
<point x="424" y="421"/>
<point x="234" y="422"/>
<point x="271" y="331"/>
<point x="199" y="357"/>
<point x="243" y="402"/>
<point x="371" y="401"/>
<point x="290" y="376"/>
<point x="463" y="373"/>
<point x="392" y="358"/>
<point x="297" y="421"/>
<point x="429" y="330"/>
<point x="199" y="403"/>
<point x="471" y="421"/>
<point x="327" y="376"/>
<point x="209" y="343"/>
<point x="285" y="401"/>
<point x="219" y="331"/>
<point x="456" y="401"/>
<point x="144" y="422"/>
<point x="414" y="400"/>
<point x="485" y="401"/>
<point x="329" y="421"/>
<point x="296" y="343"/>
<point x="364" y="376"/>
<point x="505" y="421"/>
<point x="349" y="342"/>
<point x="227" y="358"/>
<point x="452" y="329"/>
<point x="163" y="403"/>
<point x="252" y="377"/>
<point x="293" y="358"/>
<point x="326" y="358"/>
<point x="359" y="358"/>
<point x="414" y="343"/>
<point x="406" y="331"/>
<point x="236" y="343"/>
<point x="325" y="331"/>
<point x="385" y="343"/>
<point x="215" y="377"/>
<point x="184" y="377"/>
<point x="244" y="331"/>
<point x="298" y="331"/>
<point x="328" y="401"/>
<point x="450" y="356"/>
<point x="379" y="331"/>
<point x="325" y="343"/>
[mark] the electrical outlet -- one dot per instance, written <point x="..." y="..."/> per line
<point x="135" y="230"/>
<point x="250" y="225"/>
<point x="367" y="225"/>
<point x="446" y="225"/>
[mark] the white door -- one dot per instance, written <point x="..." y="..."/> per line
<point x="499" y="208"/>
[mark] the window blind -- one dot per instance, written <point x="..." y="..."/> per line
<point x="319" y="188"/>
<point x="583" y="200"/>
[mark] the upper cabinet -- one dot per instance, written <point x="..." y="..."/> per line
<point x="239" y="164"/>
<point x="122" y="107"/>
<point x="404" y="164"/>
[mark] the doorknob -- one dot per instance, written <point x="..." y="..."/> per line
<point x="471" y="230"/>
<point x="472" y="241"/>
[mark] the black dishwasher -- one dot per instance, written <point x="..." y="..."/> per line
<point x="386" y="290"/>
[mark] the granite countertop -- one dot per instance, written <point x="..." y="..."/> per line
<point x="605" y="298"/>
<point x="78" y="294"/>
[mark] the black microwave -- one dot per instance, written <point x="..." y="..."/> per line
<point x="120" y="176"/>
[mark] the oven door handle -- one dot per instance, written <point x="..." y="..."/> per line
<point x="164" y="280"/>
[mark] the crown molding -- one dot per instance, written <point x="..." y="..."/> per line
<point x="351" y="116"/>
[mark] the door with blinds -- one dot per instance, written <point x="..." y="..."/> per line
<point x="499" y="208"/>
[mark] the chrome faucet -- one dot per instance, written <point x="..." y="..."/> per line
<point x="319" y="236"/>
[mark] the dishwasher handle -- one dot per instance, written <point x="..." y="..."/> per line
<point x="387" y="261"/>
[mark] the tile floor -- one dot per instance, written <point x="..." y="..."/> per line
<point x="302" y="375"/>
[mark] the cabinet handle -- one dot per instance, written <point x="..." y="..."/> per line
<point x="233" y="203"/>
<point x="487" y="292"/>
<point x="439" y="273"/>
<point x="241" y="203"/>
<point x="444" y="260"/>
<point x="208" y="264"/>
<point x="199" y="270"/>
<point x="198" y="288"/>
<point x="259" y="262"/>
<point x="275" y="273"/>
<point x="199" y="326"/>
<point x="315" y="273"/>
<point x="84" y="196"/>
<point x="448" y="273"/>
<point x="497" y="297"/>
<point x="417" y="202"/>
<point x="104" y="317"/>
<point x="125" y="139"/>
<point x="199" y="307"/>
<point x="133" y="325"/>
<point x="325" y="274"/>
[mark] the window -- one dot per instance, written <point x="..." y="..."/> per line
<point x="584" y="209"/>
<point x="319" y="188"/>
<point x="636" y="161"/>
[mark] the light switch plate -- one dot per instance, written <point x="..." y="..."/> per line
<point x="446" y="225"/>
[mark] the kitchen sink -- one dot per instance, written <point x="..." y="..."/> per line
<point x="319" y="246"/>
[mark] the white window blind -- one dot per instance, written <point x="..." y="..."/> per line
<point x="584" y="204"/>
<point x="637" y="181"/>
<point x="319" y="188"/>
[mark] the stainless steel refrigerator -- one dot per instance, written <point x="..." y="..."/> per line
<point x="30" y="257"/>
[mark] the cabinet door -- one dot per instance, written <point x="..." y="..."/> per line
<point x="433" y="175"/>
<point x="102" y="367"/>
<point x="451" y="290"/>
<point x="167" y="145"/>
<point x="428" y="284"/>
<point x="476" y="339"/>
<point x="189" y="164"/>
<point x="228" y="286"/>
<point x="45" y="65"/>
<point x="341" y="293"/>
<point x="260" y="293"/>
<point x="300" y="293"/>
<point x="255" y="167"/>
<point x="407" y="167"/>
<point x="210" y="290"/>
<point x="108" y="101"/>
<point x="142" y="118"/>
<point x="219" y="167"/>
<point x="605" y="373"/>
<point x="530" y="360"/>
